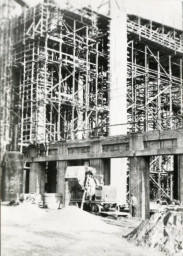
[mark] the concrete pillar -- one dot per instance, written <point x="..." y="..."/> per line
<point x="118" y="70"/>
<point x="119" y="178"/>
<point x="37" y="178"/>
<point x="139" y="184"/>
<point x="178" y="178"/>
<point x="12" y="175"/>
<point x="118" y="92"/>
<point x="62" y="185"/>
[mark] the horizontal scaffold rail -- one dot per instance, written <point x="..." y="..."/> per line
<point x="155" y="32"/>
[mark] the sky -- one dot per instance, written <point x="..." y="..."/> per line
<point x="168" y="12"/>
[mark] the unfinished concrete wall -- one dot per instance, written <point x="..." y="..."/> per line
<point x="139" y="184"/>
<point x="12" y="176"/>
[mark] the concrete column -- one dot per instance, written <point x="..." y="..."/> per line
<point x="118" y="92"/>
<point x="12" y="175"/>
<point x="62" y="185"/>
<point x="37" y="178"/>
<point x="119" y="177"/>
<point x="178" y="178"/>
<point x="118" y="69"/>
<point x="139" y="184"/>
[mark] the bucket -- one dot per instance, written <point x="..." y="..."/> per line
<point x="52" y="200"/>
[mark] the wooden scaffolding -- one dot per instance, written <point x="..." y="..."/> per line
<point x="59" y="67"/>
<point x="154" y="89"/>
<point x="55" y="80"/>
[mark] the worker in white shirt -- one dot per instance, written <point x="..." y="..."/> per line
<point x="133" y="203"/>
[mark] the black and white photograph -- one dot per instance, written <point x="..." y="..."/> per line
<point x="91" y="127"/>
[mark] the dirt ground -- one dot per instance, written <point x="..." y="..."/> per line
<point x="27" y="230"/>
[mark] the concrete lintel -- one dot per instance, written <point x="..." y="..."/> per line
<point x="141" y="144"/>
<point x="112" y="142"/>
<point x="162" y="135"/>
<point x="155" y="152"/>
<point x="117" y="154"/>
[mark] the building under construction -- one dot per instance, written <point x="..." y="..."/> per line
<point x="74" y="88"/>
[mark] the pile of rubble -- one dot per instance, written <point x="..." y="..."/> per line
<point x="163" y="231"/>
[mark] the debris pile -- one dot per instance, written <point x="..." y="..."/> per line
<point x="72" y="218"/>
<point x="23" y="214"/>
<point x="163" y="231"/>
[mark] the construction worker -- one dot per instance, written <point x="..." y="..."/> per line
<point x="90" y="185"/>
<point x="133" y="204"/>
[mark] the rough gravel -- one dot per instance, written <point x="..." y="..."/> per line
<point x="27" y="230"/>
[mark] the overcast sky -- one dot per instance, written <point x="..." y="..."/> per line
<point x="168" y="12"/>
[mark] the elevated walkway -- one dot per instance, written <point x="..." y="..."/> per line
<point x="157" y="33"/>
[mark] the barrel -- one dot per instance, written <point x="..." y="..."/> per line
<point x="52" y="200"/>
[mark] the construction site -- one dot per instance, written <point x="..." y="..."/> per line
<point x="91" y="115"/>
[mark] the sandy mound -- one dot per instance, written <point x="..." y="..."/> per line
<point x="72" y="218"/>
<point x="163" y="231"/>
<point x="21" y="214"/>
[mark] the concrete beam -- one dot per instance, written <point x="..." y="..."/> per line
<point x="144" y="144"/>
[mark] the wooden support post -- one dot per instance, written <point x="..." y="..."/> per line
<point x="181" y="92"/>
<point x="178" y="178"/>
<point x="96" y="86"/>
<point x="170" y="92"/>
<point x="59" y="89"/>
<point x="159" y="176"/>
<point x="87" y="84"/>
<point x="159" y="96"/>
<point x="146" y="123"/>
<point x="73" y="79"/>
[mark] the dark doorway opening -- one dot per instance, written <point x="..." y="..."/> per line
<point x="51" y="172"/>
<point x="107" y="172"/>
<point x="27" y="177"/>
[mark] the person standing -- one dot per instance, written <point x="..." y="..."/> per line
<point x="133" y="204"/>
